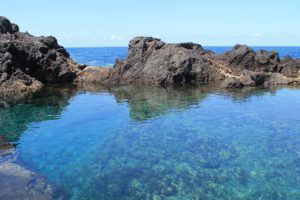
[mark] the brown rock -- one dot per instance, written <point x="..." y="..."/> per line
<point x="93" y="75"/>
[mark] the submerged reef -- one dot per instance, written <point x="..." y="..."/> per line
<point x="17" y="182"/>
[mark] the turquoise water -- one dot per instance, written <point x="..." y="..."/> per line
<point x="105" y="56"/>
<point x="160" y="143"/>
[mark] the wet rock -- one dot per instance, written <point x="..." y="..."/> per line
<point x="232" y="83"/>
<point x="27" y="62"/>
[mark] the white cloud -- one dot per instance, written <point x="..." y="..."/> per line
<point x="257" y="35"/>
<point x="116" y="37"/>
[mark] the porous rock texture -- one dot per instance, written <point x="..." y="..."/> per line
<point x="27" y="62"/>
<point x="152" y="61"/>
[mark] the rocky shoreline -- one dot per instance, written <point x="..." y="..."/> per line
<point x="152" y="61"/>
<point x="28" y="62"/>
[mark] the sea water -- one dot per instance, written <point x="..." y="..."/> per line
<point x="135" y="142"/>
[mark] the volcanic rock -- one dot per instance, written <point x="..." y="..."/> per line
<point x="27" y="62"/>
<point x="152" y="61"/>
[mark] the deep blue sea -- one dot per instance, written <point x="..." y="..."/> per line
<point x="130" y="142"/>
<point x="105" y="56"/>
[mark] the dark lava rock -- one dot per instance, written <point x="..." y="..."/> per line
<point x="5" y="25"/>
<point x="152" y="61"/>
<point x="27" y="62"/>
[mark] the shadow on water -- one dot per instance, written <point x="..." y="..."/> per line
<point x="135" y="142"/>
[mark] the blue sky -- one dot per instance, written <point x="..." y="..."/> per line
<point x="114" y="22"/>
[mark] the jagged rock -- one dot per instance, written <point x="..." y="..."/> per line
<point x="290" y="67"/>
<point x="152" y="61"/>
<point x="242" y="57"/>
<point x="27" y="62"/>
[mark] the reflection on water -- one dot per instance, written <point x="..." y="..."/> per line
<point x="161" y="143"/>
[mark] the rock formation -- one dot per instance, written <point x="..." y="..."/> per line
<point x="152" y="61"/>
<point x="27" y="62"/>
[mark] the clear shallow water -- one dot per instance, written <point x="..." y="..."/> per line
<point x="105" y="56"/>
<point x="161" y="143"/>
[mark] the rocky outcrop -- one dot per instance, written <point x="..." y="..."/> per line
<point x="27" y="62"/>
<point x="155" y="62"/>
<point x="152" y="61"/>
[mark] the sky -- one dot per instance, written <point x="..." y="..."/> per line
<point x="96" y="23"/>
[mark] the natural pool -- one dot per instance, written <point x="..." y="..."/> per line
<point x="160" y="143"/>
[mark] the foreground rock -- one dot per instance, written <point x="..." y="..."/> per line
<point x="152" y="61"/>
<point x="27" y="62"/>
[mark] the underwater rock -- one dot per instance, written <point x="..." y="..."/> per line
<point x="27" y="62"/>
<point x="16" y="182"/>
<point x="4" y="144"/>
